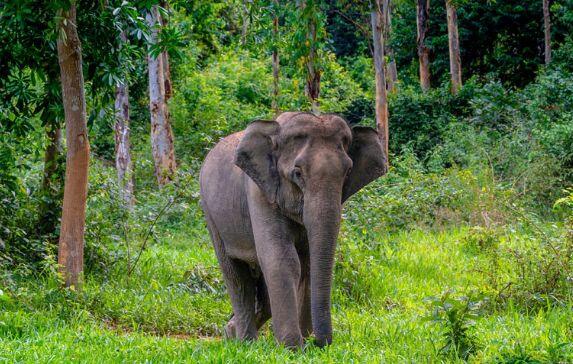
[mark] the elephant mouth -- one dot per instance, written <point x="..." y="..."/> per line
<point x="291" y="202"/>
<point x="293" y="208"/>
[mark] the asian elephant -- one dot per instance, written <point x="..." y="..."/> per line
<point x="272" y="197"/>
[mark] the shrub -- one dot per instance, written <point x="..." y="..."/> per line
<point x="456" y="315"/>
<point x="28" y="212"/>
<point x="115" y="236"/>
<point x="523" y="136"/>
<point x="530" y="273"/>
<point x="517" y="355"/>
<point x="215" y="101"/>
<point x="235" y="88"/>
<point x="481" y="240"/>
<point x="203" y="279"/>
<point x="409" y="196"/>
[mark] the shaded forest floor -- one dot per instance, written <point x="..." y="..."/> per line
<point x="173" y="306"/>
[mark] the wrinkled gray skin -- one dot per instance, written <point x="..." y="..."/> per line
<point x="272" y="196"/>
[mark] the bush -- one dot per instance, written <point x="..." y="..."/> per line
<point x="218" y="100"/>
<point x="28" y="212"/>
<point x="457" y="316"/>
<point x="532" y="273"/>
<point x="418" y="120"/>
<point x="235" y="88"/>
<point x="410" y="196"/>
<point x="116" y="236"/>
<point x="481" y="240"/>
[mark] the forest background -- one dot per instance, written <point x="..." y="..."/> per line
<point x="463" y="252"/>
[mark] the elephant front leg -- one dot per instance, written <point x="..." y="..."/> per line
<point x="274" y="241"/>
<point x="305" y="318"/>
<point x="281" y="270"/>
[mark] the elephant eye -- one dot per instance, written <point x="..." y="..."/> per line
<point x="297" y="173"/>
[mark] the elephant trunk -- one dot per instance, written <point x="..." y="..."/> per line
<point x="322" y="221"/>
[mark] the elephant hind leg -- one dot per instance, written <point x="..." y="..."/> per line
<point x="240" y="287"/>
<point x="263" y="304"/>
<point x="262" y="309"/>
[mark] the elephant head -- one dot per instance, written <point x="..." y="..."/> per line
<point x="308" y="166"/>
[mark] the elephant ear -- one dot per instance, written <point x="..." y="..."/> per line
<point x="368" y="160"/>
<point x="256" y="157"/>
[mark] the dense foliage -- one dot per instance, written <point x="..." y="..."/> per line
<point x="464" y="250"/>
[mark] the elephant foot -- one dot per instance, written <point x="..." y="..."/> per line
<point x="291" y="341"/>
<point x="235" y="329"/>
<point x="322" y="340"/>
<point x="231" y="329"/>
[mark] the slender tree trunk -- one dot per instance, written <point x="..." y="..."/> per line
<point x="547" y="30"/>
<point x="276" y="60"/>
<point x="71" y="244"/>
<point x="167" y="78"/>
<point x="391" y="71"/>
<point x="161" y="133"/>
<point x="123" y="161"/>
<point x="312" y="86"/>
<point x="166" y="67"/>
<point x="423" y="14"/>
<point x="454" y="43"/>
<point x="381" y="99"/>
<point x="245" y="21"/>
<point x="313" y="74"/>
<point x="123" y="164"/>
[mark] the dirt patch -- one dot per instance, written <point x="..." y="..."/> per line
<point x="120" y="329"/>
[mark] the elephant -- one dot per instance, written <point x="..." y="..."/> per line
<point x="272" y="197"/>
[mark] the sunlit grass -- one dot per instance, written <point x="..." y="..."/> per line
<point x="160" y="315"/>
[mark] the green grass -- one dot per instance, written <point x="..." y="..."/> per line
<point x="173" y="307"/>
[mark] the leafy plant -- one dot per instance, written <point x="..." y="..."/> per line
<point x="531" y="273"/>
<point x="517" y="355"/>
<point x="203" y="279"/>
<point x="480" y="239"/>
<point x="457" y="316"/>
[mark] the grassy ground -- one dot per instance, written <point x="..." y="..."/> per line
<point x="173" y="307"/>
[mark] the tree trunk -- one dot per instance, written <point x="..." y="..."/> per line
<point x="423" y="10"/>
<point x="245" y="20"/>
<point x="391" y="71"/>
<point x="161" y="133"/>
<point x="313" y="74"/>
<point x="454" y="43"/>
<point x="547" y="30"/>
<point x="123" y="162"/>
<point x="312" y="86"/>
<point x="167" y="78"/>
<point x="381" y="99"/>
<point x="166" y="67"/>
<point x="71" y="244"/>
<point x="276" y="61"/>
